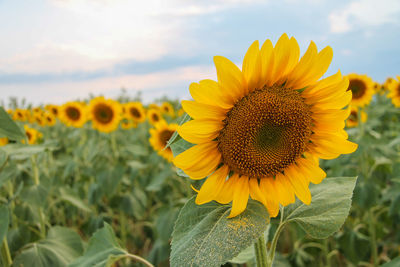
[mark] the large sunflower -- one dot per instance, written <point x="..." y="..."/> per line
<point x="362" y="88"/>
<point x="135" y="112"/>
<point x="159" y="136"/>
<point x="73" y="114"/>
<point x="394" y="91"/>
<point x="259" y="132"/>
<point x="154" y="116"/>
<point x="105" y="114"/>
<point x="352" y="120"/>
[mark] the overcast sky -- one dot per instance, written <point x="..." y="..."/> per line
<point x="53" y="51"/>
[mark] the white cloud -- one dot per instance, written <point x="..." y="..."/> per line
<point x="364" y="13"/>
<point x="82" y="35"/>
<point x="150" y="84"/>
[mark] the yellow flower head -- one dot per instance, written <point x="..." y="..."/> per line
<point x="159" y="136"/>
<point x="394" y="91"/>
<point x="135" y="112"/>
<point x="3" y="141"/>
<point x="154" y="116"/>
<point x="20" y="114"/>
<point x="352" y="120"/>
<point x="362" y="88"/>
<point x="49" y="118"/>
<point x="53" y="109"/>
<point x="260" y="131"/>
<point x="73" y="114"/>
<point x="40" y="119"/>
<point x="388" y="82"/>
<point x="128" y="124"/>
<point x="32" y="134"/>
<point x="153" y="106"/>
<point x="168" y="109"/>
<point x="105" y="114"/>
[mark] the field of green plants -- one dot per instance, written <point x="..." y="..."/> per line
<point x="78" y="196"/>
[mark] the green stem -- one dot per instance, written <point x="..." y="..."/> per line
<point x="271" y="254"/>
<point x="374" y="248"/>
<point x="326" y="253"/>
<point x="36" y="180"/>
<point x="114" y="145"/>
<point x="261" y="252"/>
<point x="5" y="253"/>
<point x="139" y="259"/>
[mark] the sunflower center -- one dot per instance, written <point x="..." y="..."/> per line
<point x="357" y="87"/>
<point x="73" y="113"/>
<point x="134" y="112"/>
<point x="103" y="113"/>
<point x="155" y="117"/>
<point x="29" y="135"/>
<point x="265" y="132"/>
<point x="164" y="136"/>
<point x="398" y="89"/>
<point x="353" y="116"/>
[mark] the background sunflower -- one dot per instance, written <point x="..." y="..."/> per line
<point x="159" y="136"/>
<point x="362" y="88"/>
<point x="73" y="114"/>
<point x="105" y="114"/>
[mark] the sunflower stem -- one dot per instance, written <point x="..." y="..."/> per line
<point x="261" y="252"/>
<point x="5" y="253"/>
<point x="374" y="247"/>
<point x="36" y="180"/>
<point x="114" y="145"/>
<point x="271" y="254"/>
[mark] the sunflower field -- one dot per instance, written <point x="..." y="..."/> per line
<point x="301" y="170"/>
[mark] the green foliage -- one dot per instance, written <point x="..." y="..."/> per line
<point x="102" y="251"/>
<point x="204" y="236"/>
<point x="330" y="205"/>
<point x="4" y="221"/>
<point x="60" y="248"/>
<point x="9" y="128"/>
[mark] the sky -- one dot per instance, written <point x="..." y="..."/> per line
<point x="54" y="51"/>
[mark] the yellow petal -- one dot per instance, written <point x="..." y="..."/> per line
<point x="287" y="54"/>
<point x="199" y="161"/>
<point x="334" y="143"/>
<point x="230" y="78"/>
<point x="200" y="131"/>
<point x="252" y="66"/>
<point x="314" y="173"/>
<point x="284" y="189"/>
<point x="203" y="111"/>
<point x="226" y="194"/>
<point x="208" y="92"/>
<point x="299" y="183"/>
<point x="271" y="200"/>
<point x="212" y="186"/>
<point x="240" y="196"/>
<point x="267" y="62"/>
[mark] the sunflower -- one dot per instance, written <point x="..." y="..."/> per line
<point x="153" y="106"/>
<point x="378" y="89"/>
<point x="20" y="115"/>
<point x="32" y="134"/>
<point x="105" y="114"/>
<point x="73" y="114"/>
<point x="128" y="124"/>
<point x="388" y="81"/>
<point x="168" y="109"/>
<point x="394" y="91"/>
<point x="154" y="116"/>
<point x="53" y="109"/>
<point x="352" y="120"/>
<point x="135" y="112"/>
<point x="159" y="136"/>
<point x="259" y="132"/>
<point x="3" y="141"/>
<point x="49" y="118"/>
<point x="362" y="88"/>
<point x="40" y="119"/>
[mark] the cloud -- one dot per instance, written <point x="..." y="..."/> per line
<point x="151" y="85"/>
<point x="364" y="13"/>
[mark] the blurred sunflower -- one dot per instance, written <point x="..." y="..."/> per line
<point x="394" y="91"/>
<point x="19" y="114"/>
<point x="153" y="106"/>
<point x="168" y="109"/>
<point x="49" y="118"/>
<point x="135" y="112"/>
<point x="378" y="89"/>
<point x="352" y="120"/>
<point x="388" y="81"/>
<point x="128" y="124"/>
<point x="32" y="134"/>
<point x="159" y="136"/>
<point x="105" y="114"/>
<point x="73" y="114"/>
<point x="53" y="109"/>
<point x="362" y="88"/>
<point x="39" y="119"/>
<point x="154" y="116"/>
<point x="3" y="141"/>
<point x="266" y="126"/>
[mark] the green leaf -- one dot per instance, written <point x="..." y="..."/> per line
<point x="393" y="263"/>
<point x="9" y="128"/>
<point x="61" y="247"/>
<point x="35" y="195"/>
<point x="103" y="249"/>
<point x="22" y="151"/>
<point x="3" y="158"/>
<point x="175" y="136"/>
<point x="4" y="221"/>
<point x="70" y="196"/>
<point x="204" y="236"/>
<point x="330" y="205"/>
